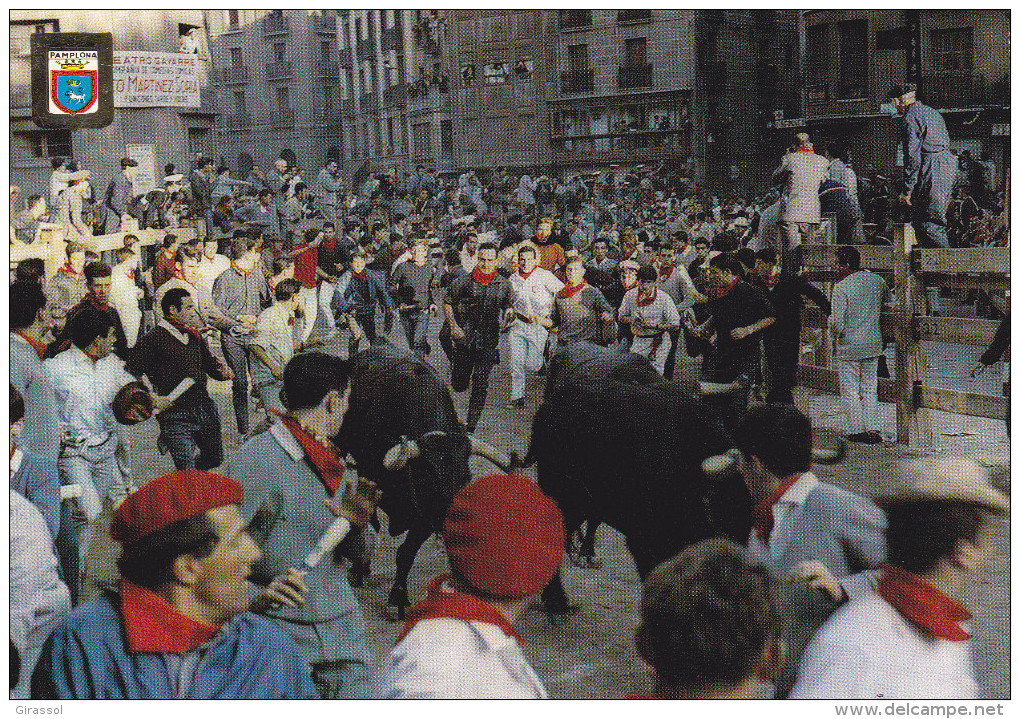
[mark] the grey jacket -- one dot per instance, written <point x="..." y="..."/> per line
<point x="857" y="302"/>
<point x="843" y="531"/>
<point x="801" y="174"/>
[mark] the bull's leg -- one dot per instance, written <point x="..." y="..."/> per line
<point x="555" y="602"/>
<point x="398" y="601"/>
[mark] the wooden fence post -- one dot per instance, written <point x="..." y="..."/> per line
<point x="913" y="423"/>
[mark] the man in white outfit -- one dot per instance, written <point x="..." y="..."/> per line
<point x="652" y="315"/>
<point x="534" y="295"/>
<point x="857" y="301"/>
<point x="801" y="173"/>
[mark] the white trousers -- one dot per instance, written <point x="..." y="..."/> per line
<point x="309" y="305"/>
<point x="643" y="347"/>
<point x="527" y="354"/>
<point x="858" y="388"/>
<point x="326" y="290"/>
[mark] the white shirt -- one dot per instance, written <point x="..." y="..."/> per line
<point x="84" y="390"/>
<point x="661" y="311"/>
<point x="868" y="650"/>
<point x="457" y="659"/>
<point x="536" y="293"/>
<point x="791" y="501"/>
<point x="275" y="334"/>
<point x="209" y="270"/>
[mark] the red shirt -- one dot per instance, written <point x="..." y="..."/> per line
<point x="305" y="264"/>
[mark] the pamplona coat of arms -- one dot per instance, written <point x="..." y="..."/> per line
<point x="74" y="79"/>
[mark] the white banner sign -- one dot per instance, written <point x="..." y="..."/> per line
<point x="155" y="79"/>
<point x="145" y="175"/>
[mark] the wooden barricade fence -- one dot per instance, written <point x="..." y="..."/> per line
<point x="50" y="244"/>
<point x="909" y="270"/>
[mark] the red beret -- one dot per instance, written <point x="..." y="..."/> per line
<point x="504" y="536"/>
<point x="169" y="499"/>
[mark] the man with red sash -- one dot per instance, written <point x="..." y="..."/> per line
<point x="907" y="638"/>
<point x="291" y="474"/>
<point x="474" y="306"/>
<point x="652" y="315"/>
<point x="817" y="539"/>
<point x="504" y="538"/>
<point x="178" y="628"/>
<point x="709" y="625"/>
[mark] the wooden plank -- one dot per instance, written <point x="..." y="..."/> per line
<point x="873" y="257"/>
<point x="813" y="317"/>
<point x="960" y="330"/>
<point x="969" y="403"/>
<point x="913" y="424"/>
<point x="826" y="380"/>
<point x="981" y="260"/>
<point x="153" y="236"/>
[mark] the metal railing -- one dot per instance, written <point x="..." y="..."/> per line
<point x="237" y="121"/>
<point x="282" y="118"/>
<point x="279" y="70"/>
<point x="275" y="25"/>
<point x="325" y="24"/>
<point x="632" y="76"/>
<point x="575" y="19"/>
<point x="577" y="81"/>
<point x="623" y="16"/>
<point x="233" y="74"/>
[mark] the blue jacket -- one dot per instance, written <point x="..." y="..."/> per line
<point x="346" y="297"/>
<point x="86" y="657"/>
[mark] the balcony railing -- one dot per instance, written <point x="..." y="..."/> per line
<point x="275" y="25"/>
<point x="322" y="116"/>
<point x="233" y="74"/>
<point x="207" y="99"/>
<point x="632" y="76"/>
<point x="578" y="81"/>
<point x="329" y="70"/>
<point x="278" y="70"/>
<point x="623" y="16"/>
<point x="325" y="24"/>
<point x="575" y="19"/>
<point x="237" y="121"/>
<point x="283" y="118"/>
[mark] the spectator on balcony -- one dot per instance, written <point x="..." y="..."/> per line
<point x="191" y="44"/>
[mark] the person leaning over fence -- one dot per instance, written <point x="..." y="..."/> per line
<point x="710" y="625"/>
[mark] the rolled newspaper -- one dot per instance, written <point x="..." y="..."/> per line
<point x="327" y="542"/>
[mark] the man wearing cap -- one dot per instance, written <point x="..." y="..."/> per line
<point x="929" y="168"/>
<point x="118" y="192"/>
<point x="178" y="627"/>
<point x="820" y="541"/>
<point x="907" y="637"/>
<point x="289" y="473"/>
<point x="504" y="538"/>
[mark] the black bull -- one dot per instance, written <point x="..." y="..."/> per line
<point x="616" y="443"/>
<point x="396" y="397"/>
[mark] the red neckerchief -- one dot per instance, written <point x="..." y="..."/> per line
<point x="151" y="624"/>
<point x="90" y="356"/>
<point x="322" y="457"/>
<point x="666" y="272"/>
<point x="937" y="614"/>
<point x="482" y="278"/>
<point x="101" y="306"/>
<point x="843" y="274"/>
<point x="290" y="320"/>
<point x="681" y="250"/>
<point x="629" y="254"/>
<point x="698" y="226"/>
<point x="329" y="245"/>
<point x="37" y="345"/>
<point x="761" y="513"/>
<point x="526" y="275"/>
<point x="721" y="292"/>
<point x="773" y="280"/>
<point x="67" y="270"/>
<point x="443" y="603"/>
<point x="238" y="270"/>
<point x="645" y="301"/>
<point x="130" y="273"/>
<point x="571" y="290"/>
<point x="804" y="148"/>
<point x="359" y="275"/>
<point x="184" y="328"/>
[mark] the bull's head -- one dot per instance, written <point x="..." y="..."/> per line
<point x="438" y="464"/>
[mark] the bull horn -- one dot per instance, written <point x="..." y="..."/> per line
<point x="717" y="388"/>
<point x="720" y="466"/>
<point x="400" y="454"/>
<point x="483" y="449"/>
<point x="830" y="456"/>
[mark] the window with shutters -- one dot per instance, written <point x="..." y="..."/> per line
<point x="952" y="51"/>
<point x="853" y="59"/>
<point x="240" y="103"/>
<point x="233" y="19"/>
